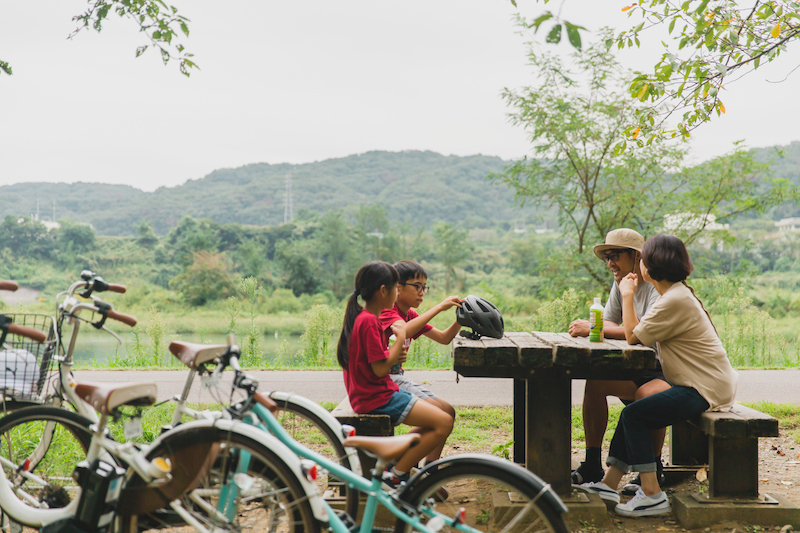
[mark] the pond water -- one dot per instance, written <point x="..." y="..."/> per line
<point x="96" y="346"/>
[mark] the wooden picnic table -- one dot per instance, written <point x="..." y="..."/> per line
<point x="543" y="366"/>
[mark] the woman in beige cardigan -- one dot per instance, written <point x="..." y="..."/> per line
<point x="699" y="375"/>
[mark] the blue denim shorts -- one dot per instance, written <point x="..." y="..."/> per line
<point x="398" y="406"/>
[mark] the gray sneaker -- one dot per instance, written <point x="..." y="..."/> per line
<point x="601" y="489"/>
<point x="642" y="505"/>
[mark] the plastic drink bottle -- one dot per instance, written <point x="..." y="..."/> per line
<point x="596" y="321"/>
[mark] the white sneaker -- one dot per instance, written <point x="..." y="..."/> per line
<point x="642" y="505"/>
<point x="604" y="491"/>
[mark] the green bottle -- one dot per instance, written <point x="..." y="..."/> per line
<point x="596" y="321"/>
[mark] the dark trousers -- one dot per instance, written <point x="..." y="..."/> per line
<point x="632" y="444"/>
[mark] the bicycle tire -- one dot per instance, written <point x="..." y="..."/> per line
<point x="51" y="459"/>
<point x="323" y="439"/>
<point x="281" y="504"/>
<point x="493" y="492"/>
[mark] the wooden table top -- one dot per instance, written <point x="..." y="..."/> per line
<point x="519" y="355"/>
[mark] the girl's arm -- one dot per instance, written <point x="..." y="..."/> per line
<point x="446" y="336"/>
<point x="627" y="288"/>
<point x="397" y="352"/>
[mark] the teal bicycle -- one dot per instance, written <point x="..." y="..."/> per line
<point x="466" y="493"/>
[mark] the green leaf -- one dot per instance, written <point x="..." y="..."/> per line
<point x="5" y="67"/>
<point x="541" y="18"/>
<point x="140" y="50"/>
<point x="156" y="35"/>
<point x="672" y="25"/>
<point x="185" y="28"/>
<point x="701" y="7"/>
<point x="554" y="37"/>
<point x="574" y="35"/>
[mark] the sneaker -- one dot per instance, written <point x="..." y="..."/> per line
<point x="636" y="483"/>
<point x="587" y="473"/>
<point x="391" y="482"/>
<point x="601" y="489"/>
<point x="641" y="505"/>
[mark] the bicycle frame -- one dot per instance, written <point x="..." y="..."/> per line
<point x="136" y="458"/>
<point x="263" y="418"/>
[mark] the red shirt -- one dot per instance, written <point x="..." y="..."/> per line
<point x="366" y="390"/>
<point x="390" y="316"/>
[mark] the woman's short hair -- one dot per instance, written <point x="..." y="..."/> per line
<point x="665" y="257"/>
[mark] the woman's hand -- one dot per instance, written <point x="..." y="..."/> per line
<point x="628" y="284"/>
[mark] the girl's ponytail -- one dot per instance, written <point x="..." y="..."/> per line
<point x="350" y="314"/>
<point x="703" y="307"/>
<point x="369" y="279"/>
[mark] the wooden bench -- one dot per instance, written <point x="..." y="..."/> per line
<point x="728" y="443"/>
<point x="373" y="425"/>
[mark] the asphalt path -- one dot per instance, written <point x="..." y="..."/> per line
<point x="777" y="386"/>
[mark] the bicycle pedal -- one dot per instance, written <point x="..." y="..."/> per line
<point x="347" y="520"/>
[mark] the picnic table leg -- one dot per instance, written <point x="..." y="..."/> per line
<point x="519" y="420"/>
<point x="548" y="427"/>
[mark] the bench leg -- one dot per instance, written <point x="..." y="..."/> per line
<point x="733" y="467"/>
<point x="688" y="445"/>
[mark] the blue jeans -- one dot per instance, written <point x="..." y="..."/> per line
<point x="632" y="444"/>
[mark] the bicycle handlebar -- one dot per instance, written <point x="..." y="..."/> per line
<point x="30" y="333"/>
<point x="8" y="285"/>
<point x="128" y="320"/>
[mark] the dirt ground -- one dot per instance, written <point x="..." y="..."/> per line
<point x="779" y="473"/>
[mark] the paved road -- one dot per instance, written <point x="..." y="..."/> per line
<point x="778" y="386"/>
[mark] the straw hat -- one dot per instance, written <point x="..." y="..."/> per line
<point x="620" y="238"/>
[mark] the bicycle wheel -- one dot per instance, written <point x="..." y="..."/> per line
<point x="39" y="448"/>
<point x="497" y="496"/>
<point x="226" y="480"/>
<point x="310" y="429"/>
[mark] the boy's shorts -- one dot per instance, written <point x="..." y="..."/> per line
<point x="414" y="388"/>
<point x="398" y="407"/>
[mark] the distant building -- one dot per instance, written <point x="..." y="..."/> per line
<point x="691" y="222"/>
<point x="788" y="225"/>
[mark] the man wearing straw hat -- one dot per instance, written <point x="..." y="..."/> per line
<point x="621" y="253"/>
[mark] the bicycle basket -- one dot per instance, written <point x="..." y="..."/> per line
<point x="25" y="365"/>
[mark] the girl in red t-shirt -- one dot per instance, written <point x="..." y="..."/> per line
<point x="365" y="362"/>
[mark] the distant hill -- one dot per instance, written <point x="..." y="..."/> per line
<point x="418" y="188"/>
<point x="415" y="187"/>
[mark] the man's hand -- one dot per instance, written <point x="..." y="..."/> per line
<point x="450" y="301"/>
<point x="628" y="284"/>
<point x="579" y="328"/>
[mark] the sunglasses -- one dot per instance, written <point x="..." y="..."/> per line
<point x="613" y="255"/>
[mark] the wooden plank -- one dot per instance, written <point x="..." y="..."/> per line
<point x="486" y="357"/>
<point x="533" y="352"/>
<point x="739" y="422"/>
<point x="468" y="352"/>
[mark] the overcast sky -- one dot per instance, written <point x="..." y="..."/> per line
<point x="298" y="82"/>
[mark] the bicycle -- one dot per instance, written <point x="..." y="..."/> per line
<point x="304" y="419"/>
<point x="418" y="505"/>
<point x="301" y="419"/>
<point x="213" y="475"/>
<point x="296" y="413"/>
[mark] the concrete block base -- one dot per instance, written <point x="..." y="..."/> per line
<point x="696" y="511"/>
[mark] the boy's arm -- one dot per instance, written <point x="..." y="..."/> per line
<point x="397" y="352"/>
<point x="446" y="336"/>
<point x="415" y="326"/>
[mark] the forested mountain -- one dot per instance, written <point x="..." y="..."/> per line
<point x="417" y="188"/>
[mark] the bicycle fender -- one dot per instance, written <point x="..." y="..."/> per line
<point x="537" y="484"/>
<point x="194" y="446"/>
<point x="324" y="415"/>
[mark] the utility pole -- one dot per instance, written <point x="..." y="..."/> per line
<point x="287" y="206"/>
